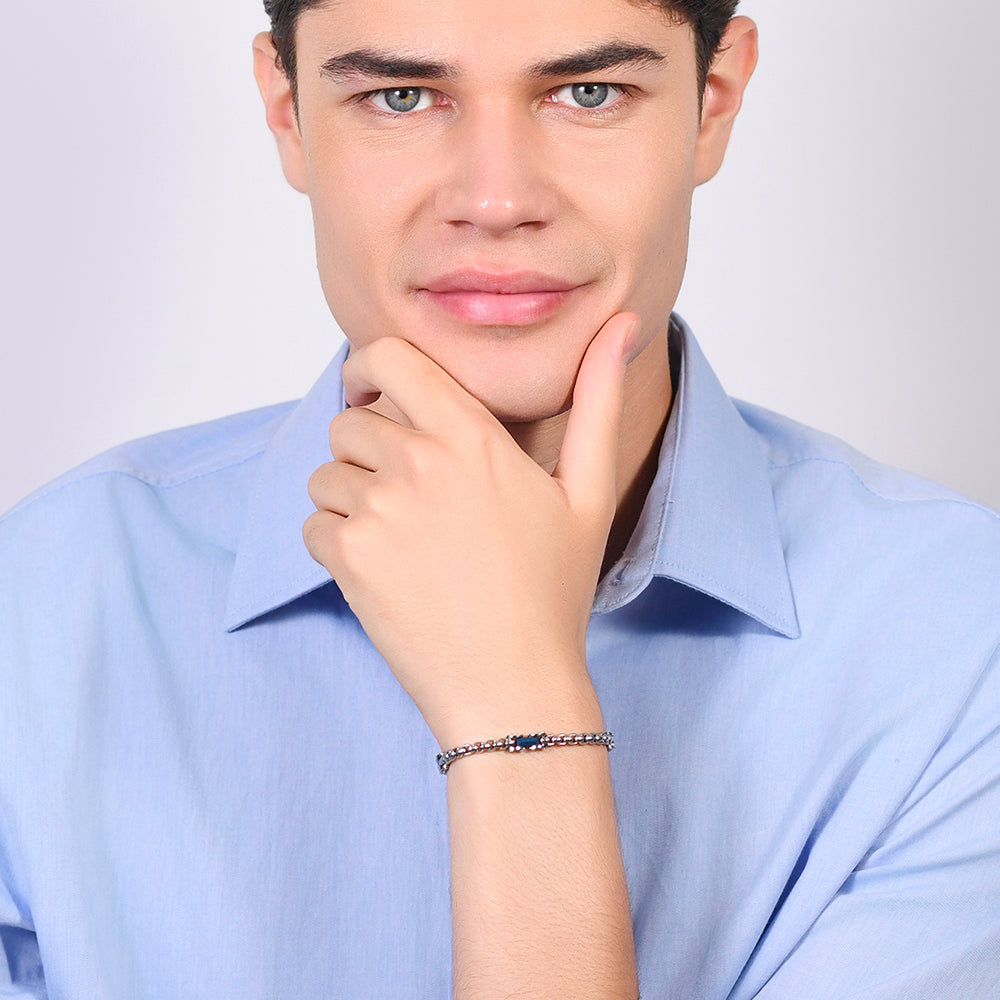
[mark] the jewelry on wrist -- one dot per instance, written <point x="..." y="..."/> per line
<point x="522" y="742"/>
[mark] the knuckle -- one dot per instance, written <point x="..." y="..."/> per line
<point x="373" y="502"/>
<point x="310" y="530"/>
<point x="316" y="535"/>
<point x="341" y="428"/>
<point x="420" y="459"/>
<point x="319" y="483"/>
<point x="477" y="446"/>
<point x="330" y="541"/>
<point x="352" y="549"/>
<point x="349" y="418"/>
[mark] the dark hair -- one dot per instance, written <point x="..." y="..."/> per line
<point x="708" y="19"/>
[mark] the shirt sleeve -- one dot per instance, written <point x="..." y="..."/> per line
<point x="21" y="975"/>
<point x="919" y="918"/>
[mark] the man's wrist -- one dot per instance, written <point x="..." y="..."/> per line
<point x="568" y="704"/>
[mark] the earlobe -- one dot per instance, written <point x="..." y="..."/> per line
<point x="728" y="77"/>
<point x="279" y="108"/>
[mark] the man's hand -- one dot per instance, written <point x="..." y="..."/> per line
<point x="471" y="568"/>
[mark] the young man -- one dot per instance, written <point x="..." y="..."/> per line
<point x="543" y="515"/>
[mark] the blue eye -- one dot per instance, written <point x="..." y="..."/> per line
<point x="400" y="100"/>
<point x="591" y="96"/>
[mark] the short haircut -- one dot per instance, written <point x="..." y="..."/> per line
<point x="708" y="20"/>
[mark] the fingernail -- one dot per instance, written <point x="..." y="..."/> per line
<point x="630" y="340"/>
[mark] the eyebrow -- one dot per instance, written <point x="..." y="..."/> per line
<point x="368" y="62"/>
<point x="393" y="66"/>
<point x="609" y="55"/>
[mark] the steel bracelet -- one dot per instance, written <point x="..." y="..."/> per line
<point x="522" y="742"/>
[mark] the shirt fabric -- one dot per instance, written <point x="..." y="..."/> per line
<point x="212" y="786"/>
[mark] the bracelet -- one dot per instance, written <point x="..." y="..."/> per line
<point x="520" y="743"/>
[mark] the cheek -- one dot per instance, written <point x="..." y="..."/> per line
<point x="652" y="237"/>
<point x="349" y="213"/>
<point x="359" y="221"/>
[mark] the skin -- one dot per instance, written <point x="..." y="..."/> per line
<point x="486" y="471"/>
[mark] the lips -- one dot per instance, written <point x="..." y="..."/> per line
<point x="490" y="298"/>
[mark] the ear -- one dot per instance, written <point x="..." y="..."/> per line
<point x="281" y="117"/>
<point x="728" y="77"/>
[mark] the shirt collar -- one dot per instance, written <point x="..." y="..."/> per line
<point x="709" y="521"/>
<point x="273" y="566"/>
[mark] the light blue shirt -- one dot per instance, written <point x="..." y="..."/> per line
<point x="211" y="786"/>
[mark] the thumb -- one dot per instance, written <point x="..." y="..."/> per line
<point x="589" y="456"/>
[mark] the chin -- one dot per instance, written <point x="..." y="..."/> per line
<point x="515" y="394"/>
<point x="529" y="412"/>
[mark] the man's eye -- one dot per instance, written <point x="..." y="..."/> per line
<point x="400" y="100"/>
<point x="587" y="95"/>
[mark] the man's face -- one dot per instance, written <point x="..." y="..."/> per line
<point x="493" y="181"/>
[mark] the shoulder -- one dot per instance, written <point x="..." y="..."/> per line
<point x="193" y="478"/>
<point x="895" y="553"/>
<point x="798" y="455"/>
<point x="170" y="458"/>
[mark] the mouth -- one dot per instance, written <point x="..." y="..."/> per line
<point x="491" y="298"/>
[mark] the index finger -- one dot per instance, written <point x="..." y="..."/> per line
<point x="417" y="386"/>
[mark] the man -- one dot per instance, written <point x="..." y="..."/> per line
<point x="543" y="515"/>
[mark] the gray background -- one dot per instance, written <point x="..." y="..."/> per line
<point x="157" y="271"/>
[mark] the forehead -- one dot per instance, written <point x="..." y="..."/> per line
<point x="467" y="35"/>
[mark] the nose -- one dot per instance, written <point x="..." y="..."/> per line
<point x="495" y="179"/>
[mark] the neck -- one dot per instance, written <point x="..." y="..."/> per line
<point x="648" y="396"/>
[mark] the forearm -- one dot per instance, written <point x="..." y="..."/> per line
<point x="539" y="901"/>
